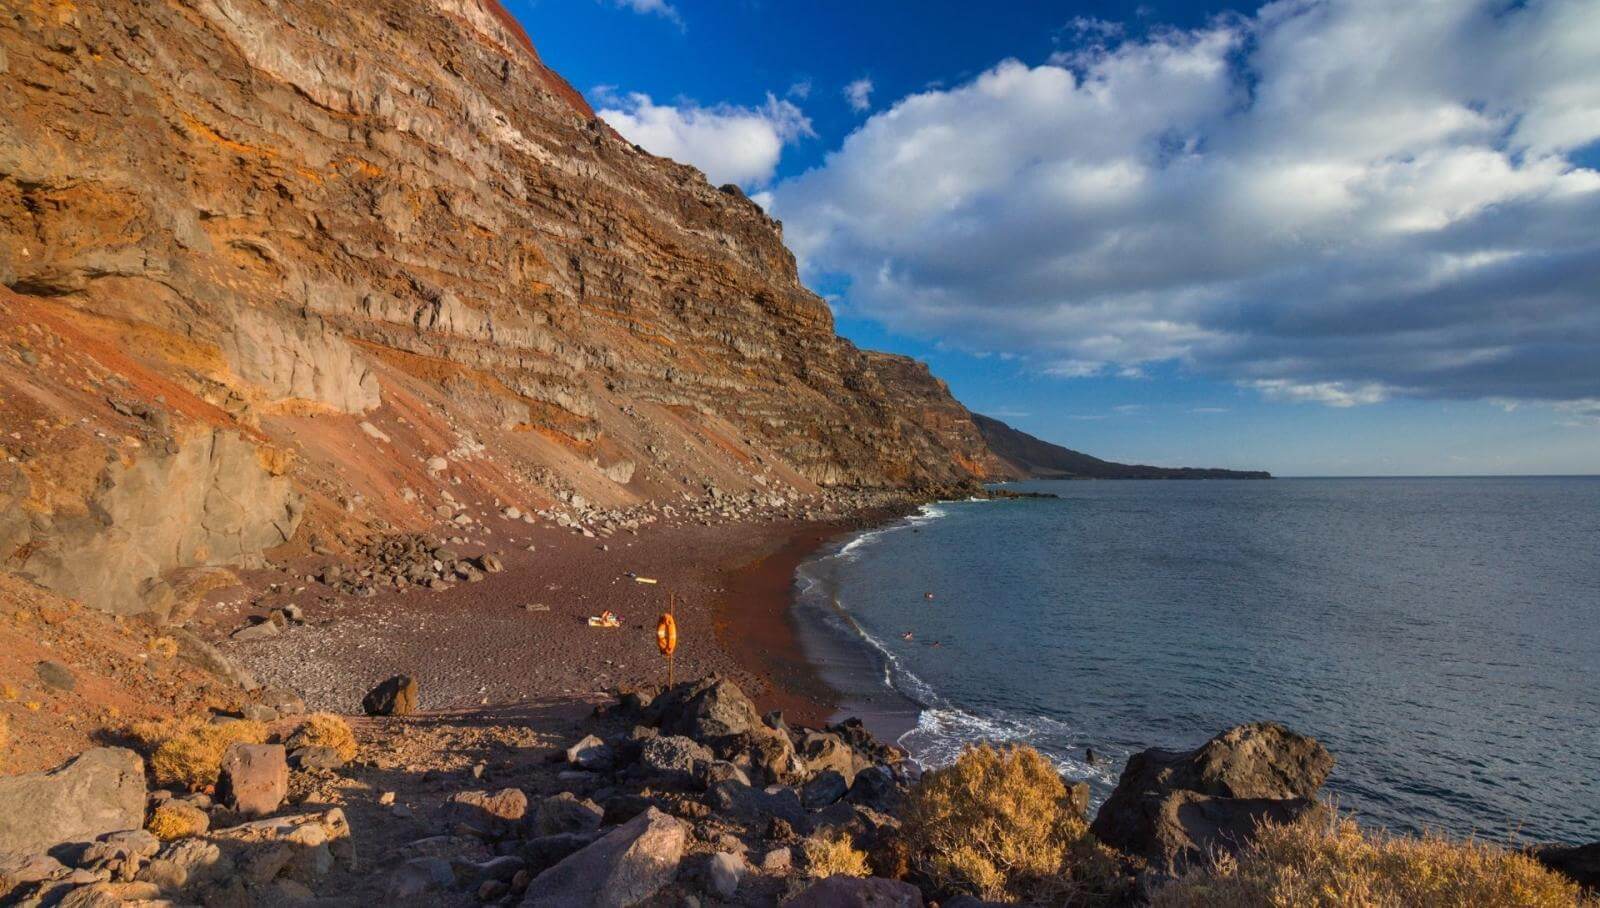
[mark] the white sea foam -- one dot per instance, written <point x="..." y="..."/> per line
<point x="943" y="729"/>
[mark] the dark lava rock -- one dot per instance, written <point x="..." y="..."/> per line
<point x="1176" y="808"/>
<point x="706" y="710"/>
<point x="824" y="789"/>
<point x="1579" y="863"/>
<point x="672" y="759"/>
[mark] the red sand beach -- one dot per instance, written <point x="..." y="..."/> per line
<point x="522" y="635"/>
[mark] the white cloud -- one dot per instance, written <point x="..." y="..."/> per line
<point x="1327" y="201"/>
<point x="731" y="144"/>
<point x="654" y="8"/>
<point x="800" y="90"/>
<point x="859" y="94"/>
<point x="1332" y="393"/>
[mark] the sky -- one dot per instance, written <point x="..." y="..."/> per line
<point x="1319" y="237"/>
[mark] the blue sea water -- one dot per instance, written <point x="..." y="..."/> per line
<point x="1440" y="636"/>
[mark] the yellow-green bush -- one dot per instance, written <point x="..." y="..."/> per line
<point x="174" y="820"/>
<point x="996" y="824"/>
<point x="1332" y="863"/>
<point x="188" y="752"/>
<point x="325" y="730"/>
<point x="831" y="853"/>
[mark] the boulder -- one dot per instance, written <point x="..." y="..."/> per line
<point x="486" y="814"/>
<point x="772" y="755"/>
<point x="567" y="813"/>
<point x="203" y="655"/>
<point x="544" y="852"/>
<point x="858" y="892"/>
<point x="55" y="674"/>
<point x="254" y="779"/>
<point x="417" y="878"/>
<point x="877" y="788"/>
<point x="824" y="789"/>
<point x="1176" y="808"/>
<point x="672" y="759"/>
<point x="724" y="873"/>
<point x="99" y="791"/>
<point x="591" y="753"/>
<point x="751" y="804"/>
<point x="624" y="867"/>
<point x="397" y="696"/>
<point x="778" y="860"/>
<point x="1579" y="863"/>
<point x="706" y="710"/>
<point x="821" y="751"/>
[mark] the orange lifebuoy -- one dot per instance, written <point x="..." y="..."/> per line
<point x="666" y="635"/>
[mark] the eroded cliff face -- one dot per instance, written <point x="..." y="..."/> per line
<point x="339" y="241"/>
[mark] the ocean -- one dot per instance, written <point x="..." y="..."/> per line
<point x="1440" y="636"/>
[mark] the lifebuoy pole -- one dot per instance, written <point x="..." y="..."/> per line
<point x="667" y="634"/>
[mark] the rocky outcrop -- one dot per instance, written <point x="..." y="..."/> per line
<point x="1175" y="809"/>
<point x="212" y="498"/>
<point x="384" y="237"/>
<point x="98" y="792"/>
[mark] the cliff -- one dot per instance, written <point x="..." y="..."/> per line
<point x="1027" y="457"/>
<point x="280" y="270"/>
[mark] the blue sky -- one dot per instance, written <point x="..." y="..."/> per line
<point x="1321" y="237"/>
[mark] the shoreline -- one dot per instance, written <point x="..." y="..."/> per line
<point x="818" y="674"/>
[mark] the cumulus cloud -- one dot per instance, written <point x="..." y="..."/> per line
<point x="859" y="95"/>
<point x="1331" y="201"/>
<point x="731" y="144"/>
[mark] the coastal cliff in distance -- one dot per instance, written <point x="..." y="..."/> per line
<point x="280" y="272"/>
<point x="1027" y="457"/>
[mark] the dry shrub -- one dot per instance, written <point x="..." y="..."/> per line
<point x="996" y="824"/>
<point x="831" y="853"/>
<point x="177" y="821"/>
<point x="188" y="751"/>
<point x="325" y="730"/>
<point x="1331" y="862"/>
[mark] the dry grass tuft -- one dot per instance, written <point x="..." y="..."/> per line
<point x="996" y="824"/>
<point x="325" y="730"/>
<point x="188" y="751"/>
<point x="1324" y="863"/>
<point x="831" y="853"/>
<point x="177" y="821"/>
